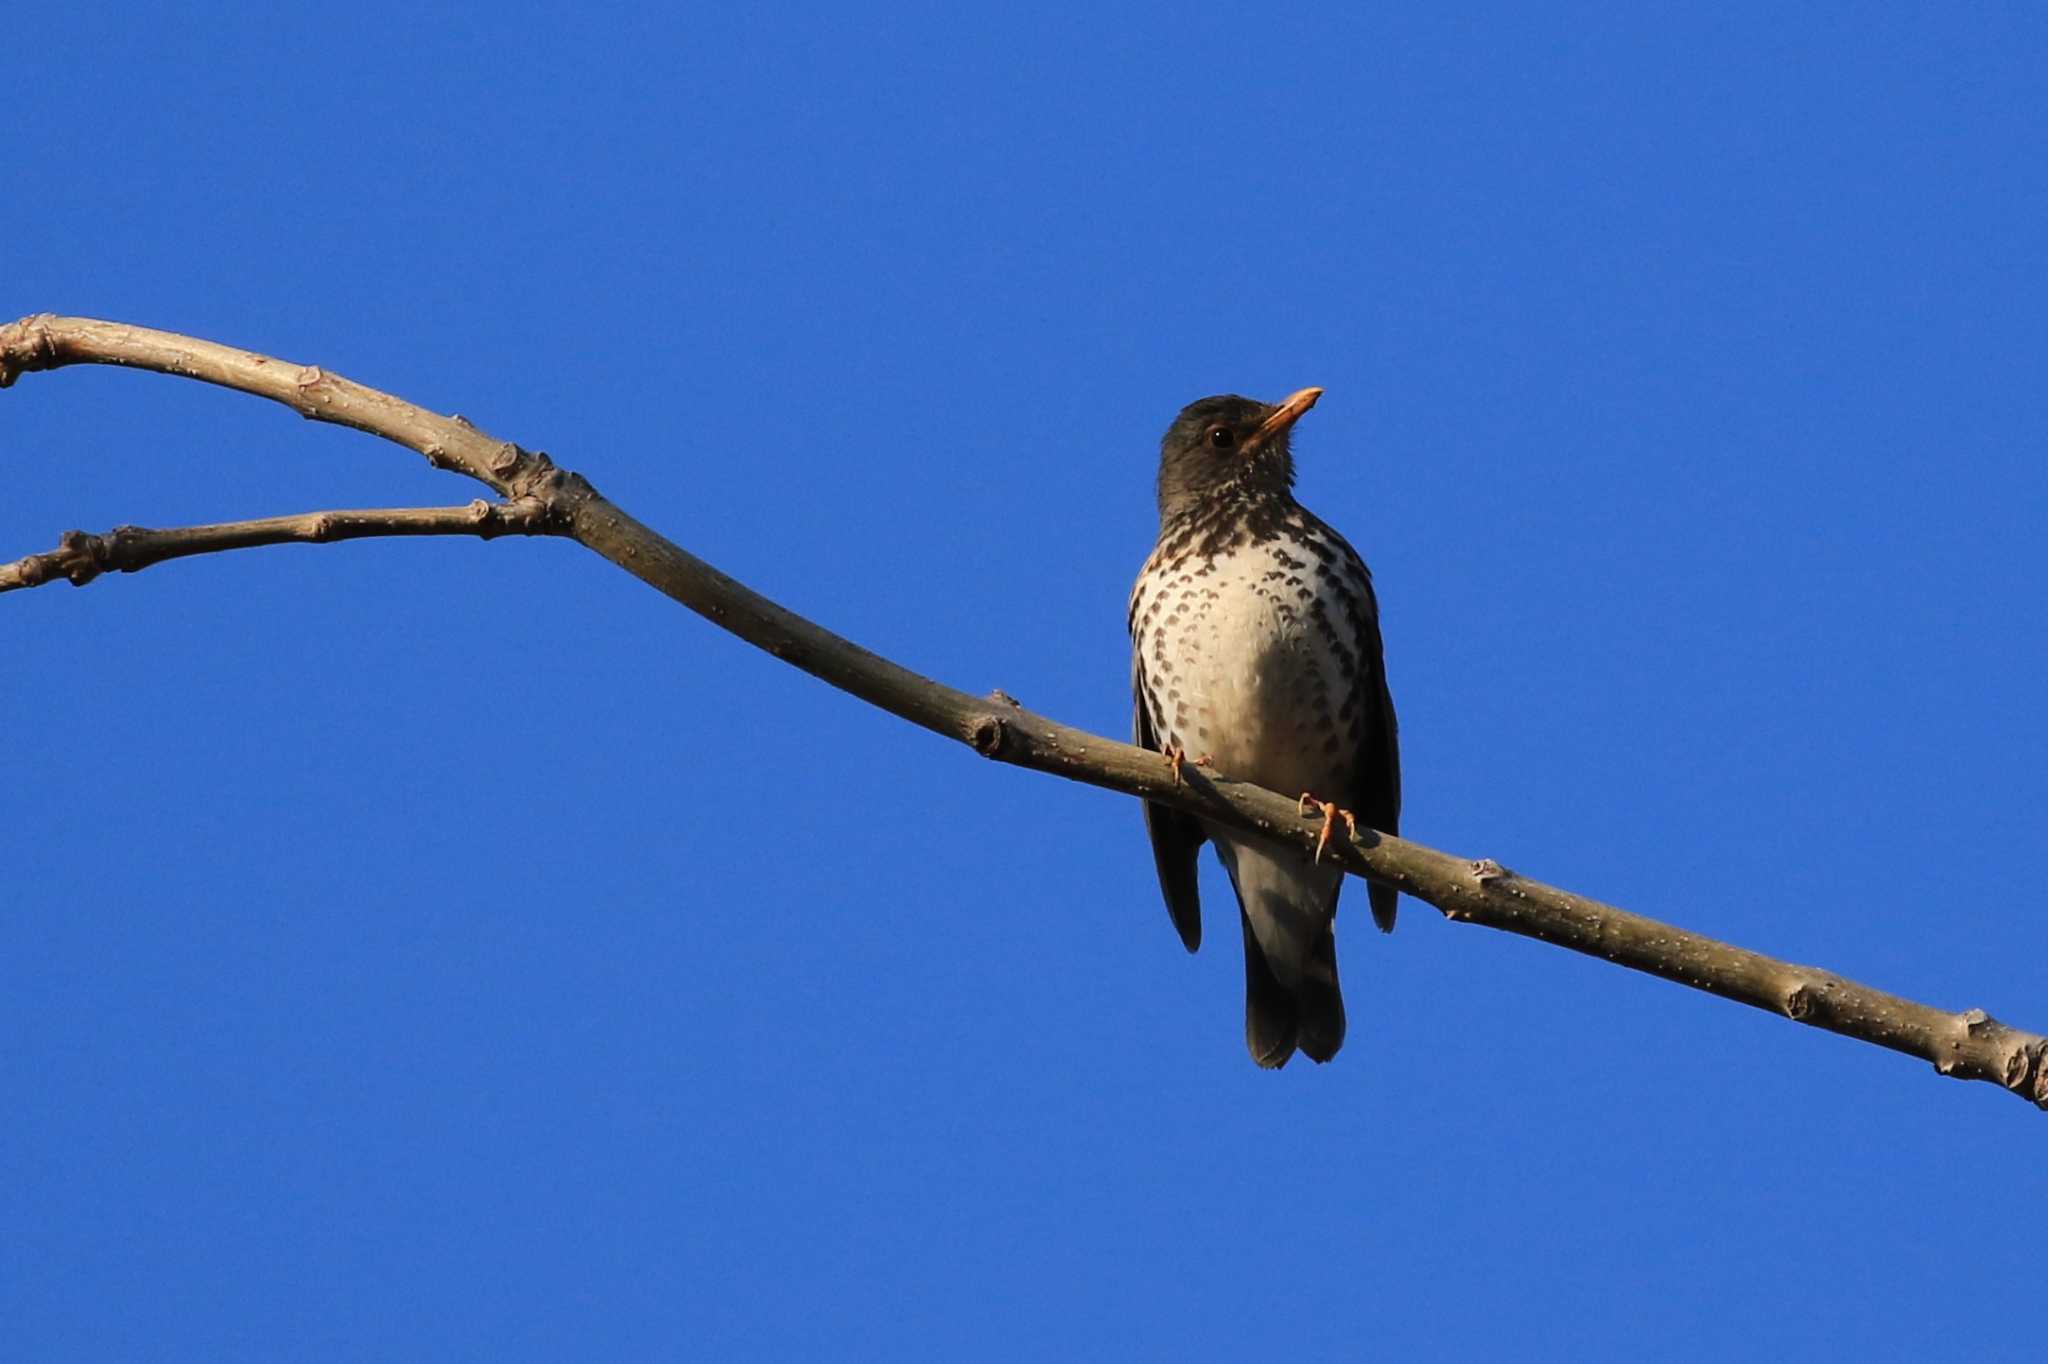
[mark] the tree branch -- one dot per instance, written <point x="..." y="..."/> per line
<point x="1969" y="1045"/>
<point x="79" y="557"/>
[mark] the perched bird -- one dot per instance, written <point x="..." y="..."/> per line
<point x="1256" y="645"/>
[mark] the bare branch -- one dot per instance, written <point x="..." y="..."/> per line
<point x="1968" y="1045"/>
<point x="47" y="342"/>
<point x="79" y="557"/>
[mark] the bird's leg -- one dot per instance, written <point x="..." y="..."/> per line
<point x="1331" y="814"/>
<point x="1177" y="757"/>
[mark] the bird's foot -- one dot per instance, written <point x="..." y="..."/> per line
<point x="1331" y="813"/>
<point x="1177" y="757"/>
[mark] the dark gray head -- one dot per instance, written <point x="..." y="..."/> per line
<point x="1225" y="445"/>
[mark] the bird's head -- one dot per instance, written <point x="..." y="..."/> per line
<point x="1225" y="444"/>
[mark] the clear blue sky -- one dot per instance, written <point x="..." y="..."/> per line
<point x="433" y="950"/>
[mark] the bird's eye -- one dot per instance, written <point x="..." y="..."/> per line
<point x="1222" y="437"/>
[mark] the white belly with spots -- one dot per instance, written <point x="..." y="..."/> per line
<point x="1253" y="658"/>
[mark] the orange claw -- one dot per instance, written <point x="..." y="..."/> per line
<point x="1175" y="756"/>
<point x="1331" y="814"/>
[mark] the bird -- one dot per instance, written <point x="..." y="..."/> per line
<point x="1255" y="644"/>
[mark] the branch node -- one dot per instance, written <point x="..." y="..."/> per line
<point x="2019" y="1068"/>
<point x="1486" y="871"/>
<point x="1003" y="698"/>
<point x="311" y="392"/>
<point x="80" y="557"/>
<point x="1799" y="1003"/>
<point x="36" y="349"/>
<point x="491" y="521"/>
<point x="2037" y="1061"/>
<point x="988" y="735"/>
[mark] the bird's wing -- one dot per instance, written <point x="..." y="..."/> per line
<point x="1176" y="837"/>
<point x="1376" y="781"/>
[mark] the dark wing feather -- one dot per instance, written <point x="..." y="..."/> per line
<point x="1375" y="790"/>
<point x="1377" y="783"/>
<point x="1176" y="838"/>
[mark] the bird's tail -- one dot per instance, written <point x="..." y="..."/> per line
<point x="1277" y="1020"/>
<point x="1319" y="1002"/>
<point x="1271" y="1022"/>
<point x="1383" y="905"/>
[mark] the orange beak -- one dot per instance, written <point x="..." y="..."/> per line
<point x="1283" y="417"/>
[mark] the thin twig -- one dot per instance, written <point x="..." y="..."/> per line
<point x="1968" y="1045"/>
<point x="81" y="557"/>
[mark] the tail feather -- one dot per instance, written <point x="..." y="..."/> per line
<point x="1319" y="1005"/>
<point x="1383" y="900"/>
<point x="1270" y="1016"/>
<point x="1287" y="908"/>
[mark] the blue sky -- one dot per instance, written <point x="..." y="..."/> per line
<point x="454" y="950"/>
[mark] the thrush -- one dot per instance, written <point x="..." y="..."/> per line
<point x="1256" y="645"/>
